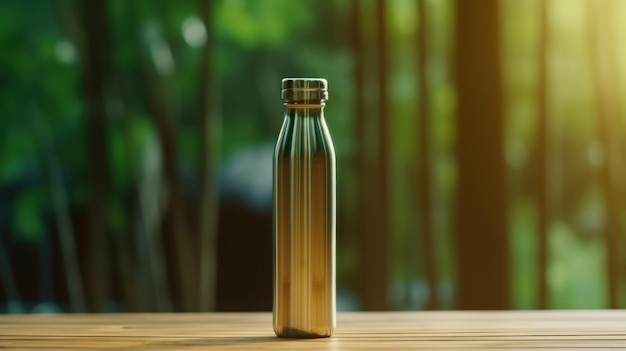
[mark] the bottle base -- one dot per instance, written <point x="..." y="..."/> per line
<point x="294" y="333"/>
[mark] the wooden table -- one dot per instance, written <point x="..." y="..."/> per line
<point x="355" y="331"/>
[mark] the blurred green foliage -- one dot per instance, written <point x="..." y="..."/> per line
<point x="256" y="44"/>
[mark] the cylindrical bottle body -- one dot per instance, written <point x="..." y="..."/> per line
<point x="304" y="225"/>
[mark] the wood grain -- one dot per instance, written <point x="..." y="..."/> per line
<point x="458" y="330"/>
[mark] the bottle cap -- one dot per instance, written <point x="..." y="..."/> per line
<point x="304" y="90"/>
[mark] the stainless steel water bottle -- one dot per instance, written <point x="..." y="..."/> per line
<point x="304" y="214"/>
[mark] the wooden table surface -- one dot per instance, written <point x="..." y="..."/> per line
<point x="355" y="331"/>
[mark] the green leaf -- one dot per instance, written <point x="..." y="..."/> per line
<point x="18" y="150"/>
<point x="117" y="216"/>
<point x="119" y="159"/>
<point x="27" y="222"/>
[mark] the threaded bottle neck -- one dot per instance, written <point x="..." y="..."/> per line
<point x="305" y="91"/>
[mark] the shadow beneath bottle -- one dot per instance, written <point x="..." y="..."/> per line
<point x="253" y="342"/>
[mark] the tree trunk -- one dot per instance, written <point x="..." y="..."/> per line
<point x="209" y="142"/>
<point x="424" y="173"/>
<point x="185" y="250"/>
<point x="375" y="237"/>
<point x="9" y="286"/>
<point x="181" y="236"/>
<point x="481" y="213"/>
<point x="361" y="158"/>
<point x="93" y="77"/>
<point x="607" y="117"/>
<point x="542" y="196"/>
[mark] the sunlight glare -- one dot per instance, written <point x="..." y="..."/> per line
<point x="65" y="52"/>
<point x="194" y="32"/>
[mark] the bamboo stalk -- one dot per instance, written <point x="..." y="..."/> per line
<point x="424" y="176"/>
<point x="481" y="204"/>
<point x="541" y="149"/>
<point x="365" y="197"/>
<point x="605" y="107"/>
<point x="8" y="281"/>
<point x="94" y="70"/>
<point x="210" y="128"/>
<point x="374" y="254"/>
<point x="182" y="237"/>
<point x="61" y="209"/>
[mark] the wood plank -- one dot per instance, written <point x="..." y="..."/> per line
<point x="356" y="330"/>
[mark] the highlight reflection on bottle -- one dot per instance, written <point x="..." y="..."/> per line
<point x="304" y="214"/>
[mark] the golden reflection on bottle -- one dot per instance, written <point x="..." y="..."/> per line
<point x="304" y="225"/>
